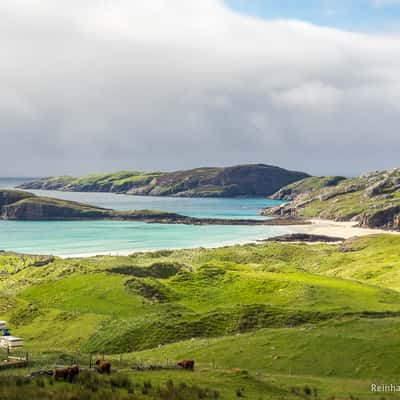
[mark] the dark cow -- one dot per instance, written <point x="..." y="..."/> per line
<point x="103" y="367"/>
<point x="73" y="372"/>
<point x="187" y="364"/>
<point x="61" y="374"/>
<point x="66" y="373"/>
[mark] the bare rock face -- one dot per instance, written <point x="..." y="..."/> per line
<point x="285" y="194"/>
<point x="11" y="196"/>
<point x="377" y="188"/>
<point x="388" y="218"/>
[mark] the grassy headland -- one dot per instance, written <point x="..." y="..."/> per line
<point x="262" y="320"/>
<point x="239" y="181"/>
<point x="371" y="200"/>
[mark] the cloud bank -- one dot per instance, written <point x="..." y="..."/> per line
<point x="167" y="84"/>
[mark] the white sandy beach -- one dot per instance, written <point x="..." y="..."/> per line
<point x="337" y="229"/>
<point x="344" y="230"/>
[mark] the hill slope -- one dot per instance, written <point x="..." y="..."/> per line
<point x="268" y="318"/>
<point x="244" y="180"/>
<point x="372" y="200"/>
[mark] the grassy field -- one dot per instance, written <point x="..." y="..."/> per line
<point x="265" y="321"/>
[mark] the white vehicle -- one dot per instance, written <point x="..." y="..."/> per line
<point x="3" y="325"/>
<point x="11" y="342"/>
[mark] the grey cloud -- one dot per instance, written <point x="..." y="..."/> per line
<point x="99" y="86"/>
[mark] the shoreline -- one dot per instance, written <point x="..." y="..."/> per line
<point x="126" y="253"/>
<point x="345" y="230"/>
<point x="324" y="227"/>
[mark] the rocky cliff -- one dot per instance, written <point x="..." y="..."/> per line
<point x="371" y="200"/>
<point x="11" y="196"/>
<point x="240" y="181"/>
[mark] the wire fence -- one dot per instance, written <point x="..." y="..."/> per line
<point x="46" y="361"/>
<point x="36" y="361"/>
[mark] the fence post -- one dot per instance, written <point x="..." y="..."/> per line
<point x="90" y="361"/>
<point x="28" y="362"/>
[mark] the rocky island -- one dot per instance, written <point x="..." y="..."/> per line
<point x="371" y="200"/>
<point x="21" y="205"/>
<point x="255" y="180"/>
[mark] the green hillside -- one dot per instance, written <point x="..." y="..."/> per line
<point x="238" y="181"/>
<point x="261" y="321"/>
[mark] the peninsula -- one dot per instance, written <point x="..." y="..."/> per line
<point x="21" y="205"/>
<point x="254" y="180"/>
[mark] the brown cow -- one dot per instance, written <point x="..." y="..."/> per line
<point x="103" y="367"/>
<point x="73" y="372"/>
<point x="187" y="364"/>
<point x="66" y="373"/>
<point x="61" y="374"/>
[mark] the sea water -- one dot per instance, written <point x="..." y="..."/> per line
<point x="67" y="238"/>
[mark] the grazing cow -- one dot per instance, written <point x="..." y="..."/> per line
<point x="66" y="373"/>
<point x="187" y="364"/>
<point x="73" y="372"/>
<point x="103" y="367"/>
<point x="61" y="374"/>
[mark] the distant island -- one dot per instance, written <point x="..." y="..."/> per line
<point x="371" y="200"/>
<point x="21" y="205"/>
<point x="254" y="180"/>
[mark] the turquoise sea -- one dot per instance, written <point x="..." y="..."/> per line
<point x="68" y="238"/>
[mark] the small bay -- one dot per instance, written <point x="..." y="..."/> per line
<point x="68" y="238"/>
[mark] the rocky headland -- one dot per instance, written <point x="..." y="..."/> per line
<point x="255" y="180"/>
<point x="370" y="201"/>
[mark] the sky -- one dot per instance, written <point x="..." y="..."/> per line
<point x="100" y="85"/>
<point x="377" y="16"/>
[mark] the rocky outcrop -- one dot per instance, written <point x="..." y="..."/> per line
<point x="372" y="200"/>
<point x="305" y="237"/>
<point x="310" y="184"/>
<point x="37" y="208"/>
<point x="239" y="181"/>
<point x="388" y="218"/>
<point x="11" y="196"/>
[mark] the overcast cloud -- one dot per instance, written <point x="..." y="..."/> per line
<point x="99" y="85"/>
